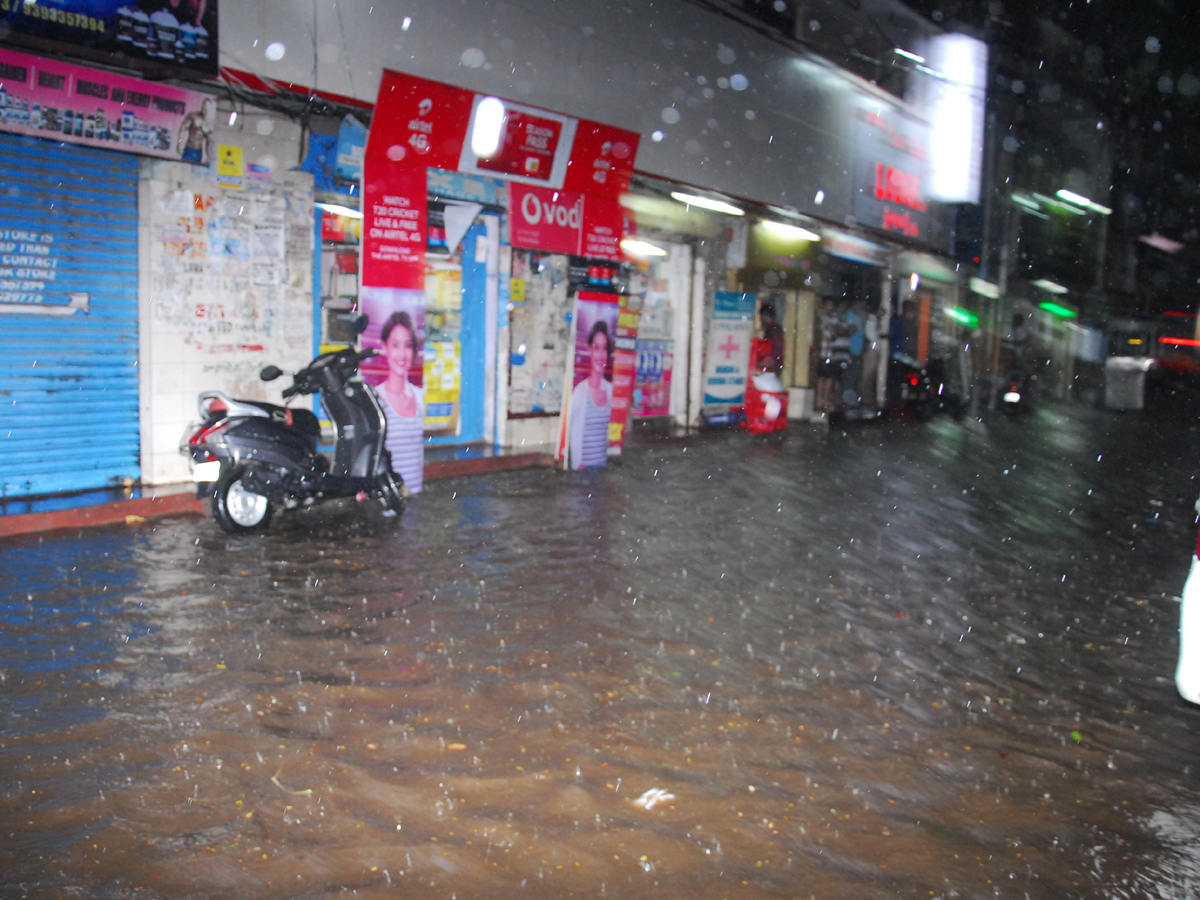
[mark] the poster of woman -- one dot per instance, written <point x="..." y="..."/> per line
<point x="396" y="328"/>
<point x="591" y="401"/>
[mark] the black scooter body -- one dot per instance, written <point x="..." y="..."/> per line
<point x="254" y="456"/>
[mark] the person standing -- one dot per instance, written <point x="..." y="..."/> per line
<point x="772" y="332"/>
<point x="403" y="402"/>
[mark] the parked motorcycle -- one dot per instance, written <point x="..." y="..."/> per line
<point x="1016" y="395"/>
<point x="925" y="388"/>
<point x="256" y="456"/>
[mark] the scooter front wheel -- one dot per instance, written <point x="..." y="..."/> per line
<point x="237" y="509"/>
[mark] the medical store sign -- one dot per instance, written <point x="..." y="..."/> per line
<point x="891" y="166"/>
<point x="77" y="105"/>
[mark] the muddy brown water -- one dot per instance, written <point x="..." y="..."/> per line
<point x="920" y="661"/>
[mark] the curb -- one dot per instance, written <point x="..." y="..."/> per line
<point x="185" y="503"/>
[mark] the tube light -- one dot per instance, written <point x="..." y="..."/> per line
<point x="962" y="316"/>
<point x="1080" y="200"/>
<point x="1056" y="310"/>
<point x="337" y="210"/>
<point x="790" y="231"/>
<point x="707" y="203"/>
<point x="1050" y="287"/>
<point x="907" y="55"/>
<point x="641" y="248"/>
<point x="488" y="128"/>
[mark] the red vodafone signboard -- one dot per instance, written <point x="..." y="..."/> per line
<point x="429" y="123"/>
<point x="565" y="222"/>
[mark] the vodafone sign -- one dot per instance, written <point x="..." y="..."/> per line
<point x="565" y="222"/>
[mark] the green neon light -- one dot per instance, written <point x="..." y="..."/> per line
<point x="969" y="319"/>
<point x="1055" y="309"/>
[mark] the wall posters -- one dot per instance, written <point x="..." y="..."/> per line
<point x="624" y="366"/>
<point x="179" y="35"/>
<point x="395" y="213"/>
<point x="727" y="356"/>
<point x="565" y="222"/>
<point x="586" y="435"/>
<point x="77" y="105"/>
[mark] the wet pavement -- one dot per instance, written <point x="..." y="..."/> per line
<point x="921" y="660"/>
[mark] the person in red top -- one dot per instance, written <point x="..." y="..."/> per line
<point x="773" y="332"/>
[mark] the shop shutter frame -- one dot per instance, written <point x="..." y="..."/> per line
<point x="69" y="385"/>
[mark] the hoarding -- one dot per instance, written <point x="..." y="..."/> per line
<point x="77" y="105"/>
<point x="164" y="36"/>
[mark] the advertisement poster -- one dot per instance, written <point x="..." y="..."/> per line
<point x="395" y="212"/>
<point x="652" y="383"/>
<point x="396" y="328"/>
<point x="624" y="371"/>
<point x="171" y="34"/>
<point x="728" y="352"/>
<point x="76" y="105"/>
<point x="590" y="407"/>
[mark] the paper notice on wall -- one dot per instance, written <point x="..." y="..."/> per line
<point x="229" y="166"/>
<point x="267" y="242"/>
<point x="267" y="275"/>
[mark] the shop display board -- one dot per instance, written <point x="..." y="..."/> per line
<point x="727" y="357"/>
<point x="652" y="378"/>
<point x="624" y="371"/>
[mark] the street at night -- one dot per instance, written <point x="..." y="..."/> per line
<point x="895" y="660"/>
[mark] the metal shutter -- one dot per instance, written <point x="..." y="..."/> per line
<point x="68" y="384"/>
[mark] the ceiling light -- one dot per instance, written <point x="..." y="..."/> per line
<point x="707" y="203"/>
<point x="1050" y="287"/>
<point x="908" y="55"/>
<point x="641" y="248"/>
<point x="338" y="210"/>
<point x="1080" y="200"/>
<point x="790" y="231"/>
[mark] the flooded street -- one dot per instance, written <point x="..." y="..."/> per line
<point x="895" y="661"/>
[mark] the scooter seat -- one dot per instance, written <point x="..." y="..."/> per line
<point x="303" y="420"/>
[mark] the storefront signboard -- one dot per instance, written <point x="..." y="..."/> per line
<point x="891" y="171"/>
<point x="728" y="352"/>
<point x="564" y="222"/>
<point x="428" y="123"/>
<point x="77" y="105"/>
<point x="171" y="36"/>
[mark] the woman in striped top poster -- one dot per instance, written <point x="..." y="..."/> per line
<point x="591" y="403"/>
<point x="403" y="402"/>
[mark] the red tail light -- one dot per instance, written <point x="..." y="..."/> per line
<point x="202" y="436"/>
<point x="912" y="379"/>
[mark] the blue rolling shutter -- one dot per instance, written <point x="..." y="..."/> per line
<point x="68" y="383"/>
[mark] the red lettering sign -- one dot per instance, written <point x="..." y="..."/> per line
<point x="897" y="186"/>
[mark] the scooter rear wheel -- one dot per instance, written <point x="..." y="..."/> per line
<point x="237" y="509"/>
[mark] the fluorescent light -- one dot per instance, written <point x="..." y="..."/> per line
<point x="337" y="210"/>
<point x="1059" y="205"/>
<point x="232" y="116"/>
<point x="985" y="288"/>
<point x="914" y="281"/>
<point x="1050" y="287"/>
<point x="1080" y="200"/>
<point x="958" y="315"/>
<point x="790" y="231"/>
<point x="1027" y="202"/>
<point x="641" y="248"/>
<point x="707" y="203"/>
<point x="489" y="126"/>
<point x="908" y="55"/>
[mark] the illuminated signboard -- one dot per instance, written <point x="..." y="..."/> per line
<point x="161" y="36"/>
<point x="891" y="166"/>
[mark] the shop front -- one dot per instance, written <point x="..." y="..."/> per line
<point x="486" y="221"/>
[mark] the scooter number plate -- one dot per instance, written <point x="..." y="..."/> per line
<point x="207" y="471"/>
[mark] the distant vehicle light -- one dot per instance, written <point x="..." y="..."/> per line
<point x="1012" y="397"/>
<point x="1179" y="342"/>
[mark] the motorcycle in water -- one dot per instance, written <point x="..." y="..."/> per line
<point x="256" y="456"/>
<point x="926" y="389"/>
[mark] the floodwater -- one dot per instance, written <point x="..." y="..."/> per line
<point x="923" y="661"/>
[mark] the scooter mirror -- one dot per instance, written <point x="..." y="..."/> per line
<point x="270" y="373"/>
<point x="359" y="323"/>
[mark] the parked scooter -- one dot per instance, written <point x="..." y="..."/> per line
<point x="1016" y="395"/>
<point x="925" y="388"/>
<point x="256" y="456"/>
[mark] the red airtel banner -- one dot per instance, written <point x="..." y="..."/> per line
<point x="565" y="175"/>
<point x="428" y="123"/>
